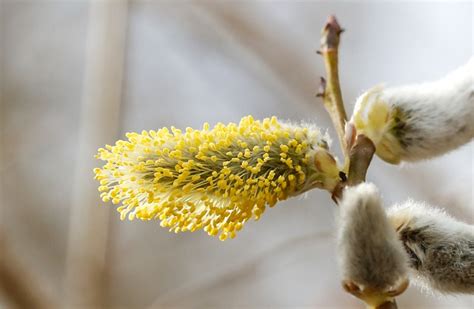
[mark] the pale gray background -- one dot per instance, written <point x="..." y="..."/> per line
<point x="188" y="62"/>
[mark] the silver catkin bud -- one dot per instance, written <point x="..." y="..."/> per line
<point x="370" y="253"/>
<point x="419" y="121"/>
<point x="441" y="249"/>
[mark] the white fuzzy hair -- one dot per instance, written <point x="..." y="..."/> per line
<point x="370" y="253"/>
<point x="441" y="249"/>
<point x="439" y="115"/>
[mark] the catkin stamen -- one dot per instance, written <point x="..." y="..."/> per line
<point x="213" y="179"/>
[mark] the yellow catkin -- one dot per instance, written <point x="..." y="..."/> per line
<point x="213" y="179"/>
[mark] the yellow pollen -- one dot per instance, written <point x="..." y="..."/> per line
<point x="214" y="179"/>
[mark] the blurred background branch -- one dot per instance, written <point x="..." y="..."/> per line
<point x="18" y="283"/>
<point x="86" y="265"/>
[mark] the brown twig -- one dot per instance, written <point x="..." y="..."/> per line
<point x="360" y="156"/>
<point x="358" y="150"/>
<point x="330" y="90"/>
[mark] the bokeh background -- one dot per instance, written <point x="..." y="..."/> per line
<point x="75" y="75"/>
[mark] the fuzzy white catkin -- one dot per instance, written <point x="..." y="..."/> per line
<point x="441" y="249"/>
<point x="369" y="251"/>
<point x="424" y="120"/>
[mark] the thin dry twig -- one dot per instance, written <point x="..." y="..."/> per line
<point x="330" y="90"/>
<point x="357" y="150"/>
<point x="360" y="157"/>
<point x="358" y="154"/>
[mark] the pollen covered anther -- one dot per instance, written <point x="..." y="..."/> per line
<point x="214" y="179"/>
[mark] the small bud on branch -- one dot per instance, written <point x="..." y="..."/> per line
<point x="322" y="87"/>
<point x="331" y="34"/>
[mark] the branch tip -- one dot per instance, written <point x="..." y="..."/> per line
<point x="330" y="34"/>
<point x="332" y="96"/>
<point x="333" y="24"/>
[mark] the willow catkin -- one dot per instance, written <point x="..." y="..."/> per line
<point x="214" y="179"/>
<point x="420" y="121"/>
<point x="440" y="248"/>
<point x="369" y="251"/>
